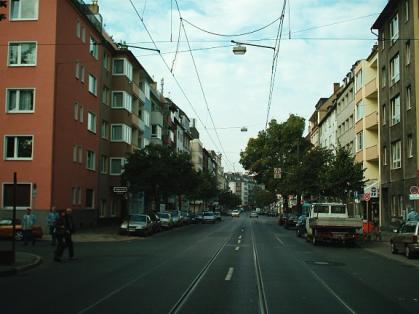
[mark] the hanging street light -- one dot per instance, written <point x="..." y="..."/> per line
<point x="240" y="47"/>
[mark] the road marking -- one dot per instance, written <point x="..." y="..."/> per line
<point x="240" y="236"/>
<point x="239" y="241"/>
<point x="237" y="248"/>
<point x="279" y="240"/>
<point x="229" y="274"/>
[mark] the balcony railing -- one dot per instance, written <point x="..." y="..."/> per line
<point x="371" y="121"/>
<point x="371" y="153"/>
<point x="371" y="89"/>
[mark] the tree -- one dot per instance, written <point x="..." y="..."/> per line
<point x="263" y="197"/>
<point x="206" y="187"/>
<point x="228" y="199"/>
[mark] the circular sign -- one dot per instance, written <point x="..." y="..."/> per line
<point x="367" y="197"/>
<point x="414" y="189"/>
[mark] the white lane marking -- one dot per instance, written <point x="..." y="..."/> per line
<point x="328" y="288"/>
<point x="279" y="240"/>
<point x="229" y="273"/>
<point x="239" y="241"/>
<point x="240" y="236"/>
<point x="237" y="248"/>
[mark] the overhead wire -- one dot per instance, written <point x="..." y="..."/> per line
<point x="173" y="76"/>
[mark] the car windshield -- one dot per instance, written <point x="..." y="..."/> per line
<point x="408" y="228"/>
<point x="208" y="214"/>
<point x="137" y="218"/>
<point x="338" y="209"/>
<point x="321" y="209"/>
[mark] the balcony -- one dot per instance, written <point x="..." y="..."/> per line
<point x="371" y="121"/>
<point x="371" y="90"/>
<point x="156" y="117"/>
<point x="371" y="153"/>
<point x="135" y="90"/>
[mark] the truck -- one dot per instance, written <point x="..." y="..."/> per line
<point x="330" y="222"/>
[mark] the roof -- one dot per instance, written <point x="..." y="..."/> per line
<point x="385" y="14"/>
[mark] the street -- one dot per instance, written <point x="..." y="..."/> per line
<point x="240" y="265"/>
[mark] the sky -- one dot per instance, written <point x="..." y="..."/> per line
<point x="225" y="92"/>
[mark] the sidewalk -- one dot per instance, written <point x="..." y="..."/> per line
<point x="24" y="261"/>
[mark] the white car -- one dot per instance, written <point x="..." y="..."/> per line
<point x="235" y="213"/>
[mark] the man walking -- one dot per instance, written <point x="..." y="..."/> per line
<point x="51" y="220"/>
<point x="64" y="231"/>
<point x="28" y="221"/>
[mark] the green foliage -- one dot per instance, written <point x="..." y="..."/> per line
<point x="263" y="197"/>
<point x="228" y="199"/>
<point x="205" y="186"/>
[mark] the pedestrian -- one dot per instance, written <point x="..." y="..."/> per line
<point x="28" y="222"/>
<point x="64" y="231"/>
<point x="51" y="220"/>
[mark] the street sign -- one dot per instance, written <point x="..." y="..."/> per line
<point x="414" y="197"/>
<point x="374" y="193"/>
<point x="414" y="189"/>
<point x="120" y="189"/>
<point x="277" y="173"/>
<point x="367" y="197"/>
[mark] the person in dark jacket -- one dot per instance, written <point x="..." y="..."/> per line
<point x="64" y="231"/>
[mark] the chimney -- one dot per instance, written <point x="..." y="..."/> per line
<point x="336" y="87"/>
<point x="94" y="7"/>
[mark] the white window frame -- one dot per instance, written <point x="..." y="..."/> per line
<point x="75" y="152"/>
<point x="76" y="107"/>
<point x="11" y="18"/>
<point x="81" y="113"/>
<point x="359" y="141"/>
<point x="78" y="29"/>
<point x="158" y="134"/>
<point x="406" y="10"/>
<point x="123" y="162"/>
<point x="396" y="155"/>
<point x="359" y="78"/>
<point x="126" y="101"/>
<point x="394" y="28"/>
<point x="104" y="130"/>
<point x="90" y="162"/>
<point x="384" y="115"/>
<point x="410" y="153"/>
<point x="408" y="52"/>
<point x="385" y="155"/>
<point x="78" y="70"/>
<point x="91" y="122"/>
<point x="126" y="133"/>
<point x="127" y="68"/>
<point x="105" y="95"/>
<point x="104" y="164"/>
<point x="395" y="110"/>
<point x="92" y="84"/>
<point x="146" y="117"/>
<point x="360" y="113"/>
<point x="80" y="154"/>
<point x="18" y="207"/>
<point x="395" y="69"/>
<point x="15" y="154"/>
<point x="383" y="77"/>
<point x="20" y="64"/>
<point x="18" y="90"/>
<point x="83" y="34"/>
<point x="94" y="47"/>
<point x="409" y="97"/>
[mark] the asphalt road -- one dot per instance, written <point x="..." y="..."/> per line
<point x="240" y="265"/>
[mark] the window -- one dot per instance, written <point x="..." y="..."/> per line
<point x="121" y="133"/>
<point x="410" y="146"/>
<point x="75" y="150"/>
<point x="23" y="10"/>
<point x="408" y="52"/>
<point x="396" y="155"/>
<point x="121" y="100"/>
<point x="106" y="61"/>
<point x="18" y="147"/>
<point x="23" y="195"/>
<point x="117" y="166"/>
<point x="394" y="28"/>
<point x="76" y="111"/>
<point x="146" y="117"/>
<point x="395" y="69"/>
<point x="104" y="130"/>
<point x="80" y="154"/>
<point x="82" y="73"/>
<point x="385" y="155"/>
<point x="146" y="142"/>
<point x="103" y="164"/>
<point x="83" y="34"/>
<point x="103" y="209"/>
<point x="92" y="84"/>
<point x="78" y="29"/>
<point x="383" y="41"/>
<point x="383" y="77"/>
<point x="122" y="67"/>
<point x="156" y="131"/>
<point x="91" y="122"/>
<point x="360" y="141"/>
<point x="90" y="160"/>
<point x="406" y="10"/>
<point x="76" y="196"/>
<point x="358" y="81"/>
<point x="384" y="115"/>
<point x="20" y="100"/>
<point x="359" y="110"/>
<point x="81" y="114"/>
<point x="395" y="110"/>
<point x="22" y="54"/>
<point x="94" y="48"/>
<point x="408" y="97"/>
<point x="90" y="198"/>
<point x="78" y="70"/>
<point x="105" y="95"/>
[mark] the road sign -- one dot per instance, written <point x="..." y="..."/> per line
<point x="367" y="197"/>
<point x="414" y="189"/>
<point x="120" y="189"/>
<point x="374" y="192"/>
<point x="277" y="173"/>
<point x="413" y="197"/>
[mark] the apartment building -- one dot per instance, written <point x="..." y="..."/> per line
<point x="366" y="130"/>
<point x="398" y="52"/>
<point x="75" y="105"/>
<point x="327" y="120"/>
<point x="313" y="128"/>
<point x="243" y="186"/>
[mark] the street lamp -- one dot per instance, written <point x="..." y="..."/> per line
<point x="240" y="49"/>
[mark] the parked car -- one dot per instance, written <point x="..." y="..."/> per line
<point x="254" y="215"/>
<point x="138" y="224"/>
<point x="282" y="218"/>
<point x="176" y="217"/>
<point x="235" y="213"/>
<point x="290" y="221"/>
<point x="6" y="229"/>
<point x="217" y="216"/>
<point x="301" y="226"/>
<point x="166" y="221"/>
<point x="186" y="218"/>
<point x="208" y="217"/>
<point x="155" y="220"/>
<point x="406" y="240"/>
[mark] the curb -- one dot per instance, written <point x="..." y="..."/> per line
<point x="14" y="270"/>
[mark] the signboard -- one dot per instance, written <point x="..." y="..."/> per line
<point x="414" y="189"/>
<point x="277" y="173"/>
<point x="374" y="191"/>
<point x="367" y="197"/>
<point x="120" y="189"/>
<point x="414" y="197"/>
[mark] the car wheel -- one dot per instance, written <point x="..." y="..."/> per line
<point x="408" y="253"/>
<point x="393" y="249"/>
<point x="19" y="235"/>
<point x="314" y="239"/>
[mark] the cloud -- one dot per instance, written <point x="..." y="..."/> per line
<point x="237" y="87"/>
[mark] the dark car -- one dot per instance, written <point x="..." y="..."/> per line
<point x="217" y="216"/>
<point x="301" y="226"/>
<point x="291" y="221"/>
<point x="282" y="218"/>
<point x="155" y="221"/>
<point x="406" y="240"/>
<point x="186" y="218"/>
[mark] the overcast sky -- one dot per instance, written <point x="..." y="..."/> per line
<point x="327" y="37"/>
